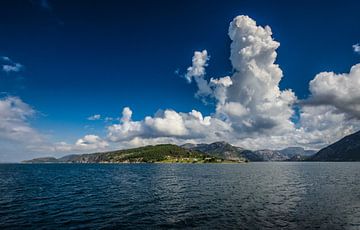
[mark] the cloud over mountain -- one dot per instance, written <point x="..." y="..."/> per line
<point x="167" y="123"/>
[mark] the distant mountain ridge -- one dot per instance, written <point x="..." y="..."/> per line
<point x="296" y="151"/>
<point x="346" y="149"/>
<point x="217" y="151"/>
<point x="270" y="155"/>
<point x="166" y="153"/>
<point x="43" y="160"/>
<point x="227" y="151"/>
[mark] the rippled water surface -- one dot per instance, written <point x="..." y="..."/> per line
<point x="206" y="196"/>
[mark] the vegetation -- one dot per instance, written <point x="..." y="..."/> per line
<point x="156" y="153"/>
<point x="222" y="150"/>
<point x="165" y="153"/>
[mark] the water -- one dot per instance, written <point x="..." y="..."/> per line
<point x="205" y="196"/>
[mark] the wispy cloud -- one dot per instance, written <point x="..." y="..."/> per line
<point x="12" y="68"/>
<point x="356" y="48"/>
<point x="94" y="117"/>
<point x="9" y="65"/>
<point x="4" y="58"/>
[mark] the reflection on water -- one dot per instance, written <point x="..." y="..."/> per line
<point x="249" y="196"/>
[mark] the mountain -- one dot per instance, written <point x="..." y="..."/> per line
<point x="202" y="153"/>
<point x="68" y="158"/>
<point x="166" y="153"/>
<point x="218" y="149"/>
<point x="43" y="160"/>
<point x="346" y="149"/>
<point x="251" y="155"/>
<point x="296" y="151"/>
<point x="224" y="150"/>
<point x="270" y="155"/>
<point x="287" y="154"/>
<point x="227" y="151"/>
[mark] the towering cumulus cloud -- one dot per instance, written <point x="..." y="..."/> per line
<point x="250" y="99"/>
<point x="254" y="101"/>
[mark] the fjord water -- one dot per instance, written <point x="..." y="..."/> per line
<point x="247" y="196"/>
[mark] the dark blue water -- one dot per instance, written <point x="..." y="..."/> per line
<point x="206" y="196"/>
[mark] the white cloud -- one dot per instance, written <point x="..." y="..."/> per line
<point x="87" y="143"/>
<point x="356" y="48"/>
<point x="233" y="109"/>
<point x="91" y="142"/>
<point x="203" y="120"/>
<point x="339" y="90"/>
<point x="219" y="87"/>
<point x="323" y="124"/>
<point x="126" y="114"/>
<point x="250" y="99"/>
<point x="199" y="62"/>
<point x="14" y="116"/>
<point x="255" y="90"/>
<point x="9" y="66"/>
<point x="125" y="130"/>
<point x="20" y="140"/>
<point x="224" y="81"/>
<point x="12" y="68"/>
<point x="216" y="88"/>
<point x="94" y="117"/>
<point x="168" y="124"/>
<point x="17" y="136"/>
<point x="197" y="72"/>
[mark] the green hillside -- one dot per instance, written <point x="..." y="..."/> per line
<point x="165" y="153"/>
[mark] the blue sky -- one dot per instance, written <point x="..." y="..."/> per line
<point x="79" y="59"/>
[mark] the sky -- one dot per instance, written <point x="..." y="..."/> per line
<point x="93" y="76"/>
